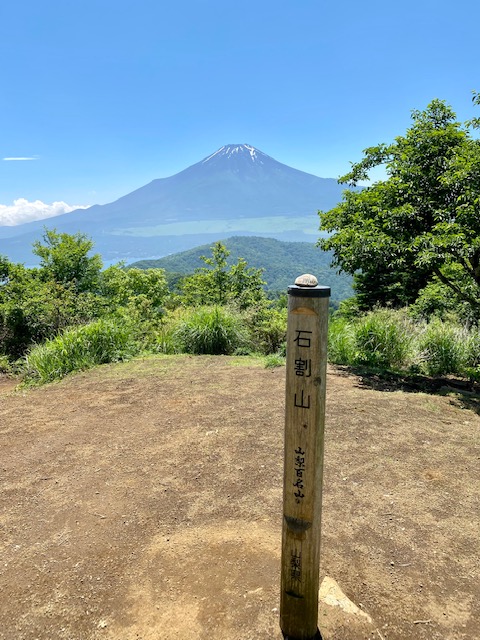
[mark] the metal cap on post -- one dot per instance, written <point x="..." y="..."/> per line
<point x="303" y="456"/>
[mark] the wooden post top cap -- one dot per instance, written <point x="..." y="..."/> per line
<point x="307" y="286"/>
<point x="307" y="280"/>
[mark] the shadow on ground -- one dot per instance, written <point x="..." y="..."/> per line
<point x="463" y="393"/>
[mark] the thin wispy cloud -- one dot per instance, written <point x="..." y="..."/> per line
<point x="22" y="211"/>
<point x="16" y="158"/>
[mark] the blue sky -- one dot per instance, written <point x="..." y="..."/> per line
<point x="100" y="97"/>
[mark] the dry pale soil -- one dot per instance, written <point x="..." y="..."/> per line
<point x="143" y="501"/>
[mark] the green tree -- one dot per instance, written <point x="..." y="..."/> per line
<point x="65" y="259"/>
<point x="32" y="310"/>
<point x="122" y="286"/>
<point x="36" y="304"/>
<point x="4" y="269"/>
<point x="418" y="226"/>
<point x="137" y="294"/>
<point x="220" y="283"/>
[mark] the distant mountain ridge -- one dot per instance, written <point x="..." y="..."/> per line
<point x="282" y="263"/>
<point x="237" y="189"/>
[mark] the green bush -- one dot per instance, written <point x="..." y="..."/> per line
<point x="32" y="311"/>
<point x="443" y="348"/>
<point x="383" y="339"/>
<point x="267" y="328"/>
<point x="80" y="348"/>
<point x="274" y="360"/>
<point x="165" y="339"/>
<point x="210" y="330"/>
<point x="387" y="339"/>
<point x="472" y="347"/>
<point x="341" y="341"/>
<point x="472" y="359"/>
<point x="5" y="366"/>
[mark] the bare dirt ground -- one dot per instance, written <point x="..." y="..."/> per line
<point x="143" y="501"/>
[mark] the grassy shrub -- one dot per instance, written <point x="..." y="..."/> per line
<point x="166" y="341"/>
<point x="5" y="366"/>
<point x="472" y="358"/>
<point x="341" y="341"/>
<point x="80" y="348"/>
<point x="387" y="339"/>
<point x="443" y="348"/>
<point x="267" y="328"/>
<point x="144" y="326"/>
<point x="212" y="330"/>
<point x="274" y="360"/>
<point x="383" y="339"/>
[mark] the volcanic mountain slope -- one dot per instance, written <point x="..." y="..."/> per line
<point x="235" y="181"/>
<point x="237" y="188"/>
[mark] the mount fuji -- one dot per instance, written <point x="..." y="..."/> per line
<point x="237" y="190"/>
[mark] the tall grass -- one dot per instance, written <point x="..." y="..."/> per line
<point x="443" y="348"/>
<point x="472" y="364"/>
<point x="5" y="366"/>
<point x="380" y="339"/>
<point x="80" y="348"/>
<point x="341" y="341"/>
<point x="391" y="340"/>
<point x="383" y="339"/>
<point x="210" y="330"/>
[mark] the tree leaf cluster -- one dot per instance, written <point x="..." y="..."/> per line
<point x="69" y="288"/>
<point x="219" y="283"/>
<point x="419" y="226"/>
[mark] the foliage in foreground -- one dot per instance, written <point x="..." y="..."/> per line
<point x="78" y="316"/>
<point x="210" y="330"/>
<point x="70" y="290"/>
<point x="213" y="330"/>
<point x="385" y="339"/>
<point x="5" y="366"/>
<point x="381" y="340"/>
<point x="219" y="283"/>
<point x="80" y="348"/>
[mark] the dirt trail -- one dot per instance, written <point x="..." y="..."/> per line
<point x="143" y="501"/>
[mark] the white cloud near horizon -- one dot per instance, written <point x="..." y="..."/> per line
<point x="15" y="158"/>
<point x="22" y="211"/>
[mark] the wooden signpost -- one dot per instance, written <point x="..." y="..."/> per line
<point x="303" y="462"/>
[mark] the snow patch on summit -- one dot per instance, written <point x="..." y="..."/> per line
<point x="213" y="154"/>
<point x="229" y="150"/>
